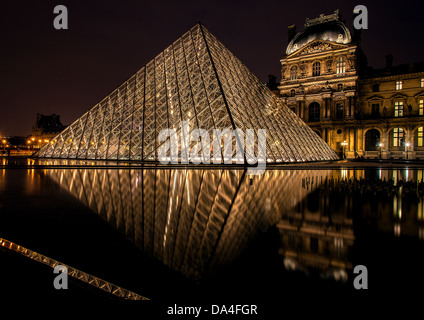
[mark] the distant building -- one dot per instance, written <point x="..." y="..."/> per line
<point x="358" y="111"/>
<point x="45" y="128"/>
<point x="392" y="111"/>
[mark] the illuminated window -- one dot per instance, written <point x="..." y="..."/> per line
<point x="293" y="73"/>
<point x="421" y="107"/>
<point x="398" y="134"/>
<point x="422" y="83"/>
<point x="398" y="109"/>
<point x="420" y="137"/>
<point x="316" y="69"/>
<point x="338" y="245"/>
<point x="398" y="85"/>
<point x="340" y="87"/>
<point x="341" y="65"/>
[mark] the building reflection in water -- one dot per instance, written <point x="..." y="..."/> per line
<point x="315" y="238"/>
<point x="194" y="221"/>
<point x="198" y="221"/>
<point x="317" y="235"/>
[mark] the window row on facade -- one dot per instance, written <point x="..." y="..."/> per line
<point x="400" y="109"/>
<point x="397" y="139"/>
<point x="397" y="85"/>
<point x="295" y="71"/>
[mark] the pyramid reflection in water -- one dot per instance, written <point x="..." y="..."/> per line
<point x="198" y="80"/>
<point x="194" y="221"/>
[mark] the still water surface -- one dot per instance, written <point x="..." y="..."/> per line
<point x="221" y="235"/>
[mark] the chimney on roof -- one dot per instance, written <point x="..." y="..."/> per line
<point x="389" y="61"/>
<point x="291" y="32"/>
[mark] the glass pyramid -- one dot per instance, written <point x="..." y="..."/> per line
<point x="198" y="81"/>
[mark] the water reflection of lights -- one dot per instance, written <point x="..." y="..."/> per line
<point x="192" y="220"/>
<point x="396" y="228"/>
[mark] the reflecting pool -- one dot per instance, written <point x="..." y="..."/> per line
<point x="200" y="234"/>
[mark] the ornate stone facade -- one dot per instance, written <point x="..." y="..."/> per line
<point x="358" y="111"/>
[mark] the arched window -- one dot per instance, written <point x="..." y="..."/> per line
<point x="314" y="112"/>
<point x="398" y="137"/>
<point x="293" y="73"/>
<point x="316" y="69"/>
<point x="372" y="140"/>
<point x="341" y="65"/>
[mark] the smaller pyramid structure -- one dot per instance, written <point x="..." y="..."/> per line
<point x="198" y="81"/>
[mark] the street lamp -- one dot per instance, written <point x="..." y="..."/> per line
<point x="407" y="149"/>
<point x="344" y="144"/>
<point x="380" y="145"/>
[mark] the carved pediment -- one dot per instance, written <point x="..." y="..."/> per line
<point x="419" y="95"/>
<point x="317" y="46"/>
<point x="375" y="98"/>
<point x="399" y="96"/>
<point x="314" y="89"/>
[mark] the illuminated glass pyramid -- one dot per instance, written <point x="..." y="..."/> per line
<point x="198" y="80"/>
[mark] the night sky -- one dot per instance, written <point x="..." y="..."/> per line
<point x="44" y="70"/>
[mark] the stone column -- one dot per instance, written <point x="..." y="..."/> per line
<point x="350" y="106"/>
<point x="360" y="140"/>
<point x="305" y="109"/>
<point x="324" y="106"/>
<point x="384" y="138"/>
<point x="352" y="142"/>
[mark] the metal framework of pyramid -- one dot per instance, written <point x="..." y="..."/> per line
<point x="198" y="80"/>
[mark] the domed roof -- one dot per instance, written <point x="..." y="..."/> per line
<point x="334" y="31"/>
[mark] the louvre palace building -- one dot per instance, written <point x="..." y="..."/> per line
<point x="357" y="110"/>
